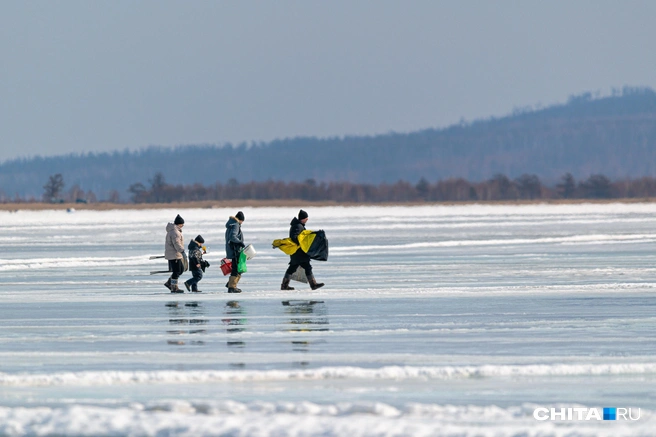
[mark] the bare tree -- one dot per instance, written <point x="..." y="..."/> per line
<point x="423" y="188"/>
<point x="528" y="186"/>
<point x="90" y="197"/>
<point x="53" y="187"/>
<point x="596" y="186"/>
<point x="157" y="182"/>
<point x="114" y="197"/>
<point x="159" y="188"/>
<point x="76" y="194"/>
<point x="138" y="191"/>
<point x="567" y="188"/>
<point x="499" y="188"/>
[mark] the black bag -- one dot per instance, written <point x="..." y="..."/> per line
<point x="319" y="247"/>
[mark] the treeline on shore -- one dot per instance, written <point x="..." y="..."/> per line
<point x="499" y="187"/>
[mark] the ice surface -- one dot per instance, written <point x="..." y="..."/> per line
<point x="434" y="321"/>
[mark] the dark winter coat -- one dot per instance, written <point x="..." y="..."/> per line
<point x="195" y="256"/>
<point x="234" y="238"/>
<point x="296" y="227"/>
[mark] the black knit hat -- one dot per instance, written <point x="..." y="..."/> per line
<point x="199" y="239"/>
<point x="240" y="216"/>
<point x="302" y="215"/>
<point x="178" y="220"/>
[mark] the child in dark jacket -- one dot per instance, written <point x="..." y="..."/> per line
<point x="197" y="264"/>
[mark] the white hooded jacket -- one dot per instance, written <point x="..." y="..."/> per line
<point x="174" y="245"/>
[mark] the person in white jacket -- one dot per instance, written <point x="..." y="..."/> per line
<point x="174" y="253"/>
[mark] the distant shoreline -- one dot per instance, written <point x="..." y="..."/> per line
<point x="105" y="206"/>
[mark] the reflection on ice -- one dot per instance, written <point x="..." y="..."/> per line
<point x="235" y="322"/>
<point x="186" y="314"/>
<point x="307" y="315"/>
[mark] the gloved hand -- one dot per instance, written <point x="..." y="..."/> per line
<point x="207" y="264"/>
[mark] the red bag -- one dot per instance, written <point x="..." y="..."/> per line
<point x="226" y="266"/>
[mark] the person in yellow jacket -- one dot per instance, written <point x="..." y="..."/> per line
<point x="299" y="258"/>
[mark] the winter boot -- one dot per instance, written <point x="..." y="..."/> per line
<point x="237" y="282"/>
<point x="285" y="283"/>
<point x="194" y="289"/>
<point x="313" y="282"/>
<point x="232" y="285"/>
<point x="167" y="284"/>
<point x="174" y="286"/>
<point x="186" y="284"/>
<point x="238" y="277"/>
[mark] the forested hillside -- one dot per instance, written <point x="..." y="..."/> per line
<point x="614" y="136"/>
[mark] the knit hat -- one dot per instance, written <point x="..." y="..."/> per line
<point x="199" y="239"/>
<point x="178" y="220"/>
<point x="240" y="216"/>
<point x="302" y="215"/>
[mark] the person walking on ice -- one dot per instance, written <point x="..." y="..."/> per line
<point x="197" y="264"/>
<point x="300" y="257"/>
<point x="174" y="253"/>
<point x="234" y="243"/>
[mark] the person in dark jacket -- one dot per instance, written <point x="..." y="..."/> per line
<point x="197" y="264"/>
<point x="299" y="258"/>
<point x="234" y="240"/>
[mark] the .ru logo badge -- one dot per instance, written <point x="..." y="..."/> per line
<point x="583" y="413"/>
<point x="610" y="413"/>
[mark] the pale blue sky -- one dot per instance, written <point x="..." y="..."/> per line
<point x="78" y="76"/>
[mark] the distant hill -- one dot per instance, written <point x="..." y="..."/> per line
<point x="614" y="136"/>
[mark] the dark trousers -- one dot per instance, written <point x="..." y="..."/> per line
<point x="176" y="267"/>
<point x="235" y="268"/>
<point x="294" y="265"/>
<point x="196" y="276"/>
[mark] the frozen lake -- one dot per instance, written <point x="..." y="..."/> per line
<point x="434" y="321"/>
